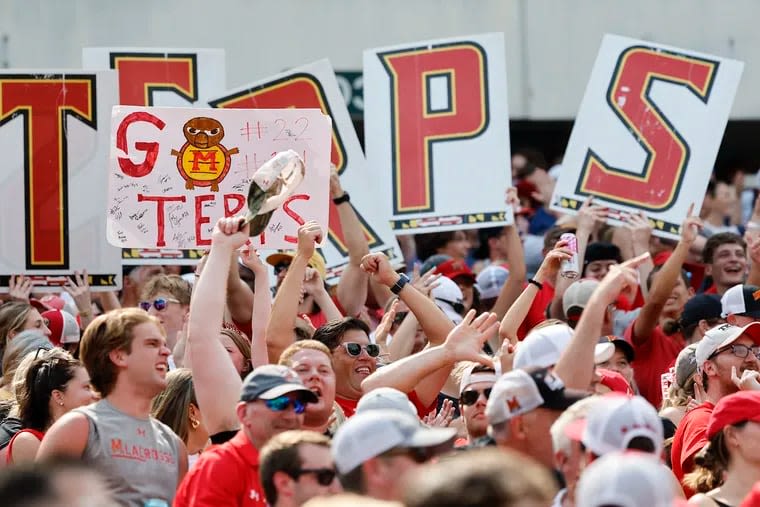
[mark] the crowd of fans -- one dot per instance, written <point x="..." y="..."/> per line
<point x="474" y="374"/>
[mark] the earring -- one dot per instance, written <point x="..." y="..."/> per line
<point x="60" y="403"/>
<point x="194" y="423"/>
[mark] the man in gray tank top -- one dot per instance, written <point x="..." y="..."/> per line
<point x="126" y="354"/>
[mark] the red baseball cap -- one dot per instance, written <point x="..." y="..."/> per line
<point x="455" y="268"/>
<point x="614" y="380"/>
<point x="733" y="409"/>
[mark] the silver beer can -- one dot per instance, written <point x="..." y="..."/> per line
<point x="569" y="268"/>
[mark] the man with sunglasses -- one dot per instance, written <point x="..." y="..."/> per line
<point x="297" y="466"/>
<point x="727" y="359"/>
<point x="167" y="297"/>
<point x="272" y="401"/>
<point x="474" y="390"/>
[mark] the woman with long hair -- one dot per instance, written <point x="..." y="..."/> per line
<point x="177" y="407"/>
<point x="729" y="465"/>
<point x="23" y="343"/>
<point x="55" y="383"/>
<point x="17" y="316"/>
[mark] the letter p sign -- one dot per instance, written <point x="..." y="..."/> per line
<point x="439" y="93"/>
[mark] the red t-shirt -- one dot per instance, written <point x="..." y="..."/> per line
<point x="349" y="406"/>
<point x="689" y="440"/>
<point x="537" y="312"/>
<point x="225" y="475"/>
<point x="653" y="358"/>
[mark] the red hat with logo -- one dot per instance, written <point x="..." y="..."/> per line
<point x="455" y="268"/>
<point x="733" y="409"/>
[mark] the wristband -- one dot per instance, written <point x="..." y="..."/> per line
<point x="343" y="198"/>
<point x="400" y="283"/>
<point x="538" y="285"/>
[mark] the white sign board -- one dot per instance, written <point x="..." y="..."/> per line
<point x="181" y="77"/>
<point x="175" y="171"/>
<point x="54" y="130"/>
<point x="437" y="133"/>
<point x="162" y="76"/>
<point x="648" y="131"/>
<point x="315" y="86"/>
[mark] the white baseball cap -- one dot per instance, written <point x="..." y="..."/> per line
<point x="448" y="296"/>
<point x="519" y="392"/>
<point x="386" y="398"/>
<point x="374" y="432"/>
<point x="490" y="281"/>
<point x="741" y="300"/>
<point x="617" y="419"/>
<point x="625" y="479"/>
<point x="723" y="335"/>
<point x="469" y="378"/>
<point x="543" y="347"/>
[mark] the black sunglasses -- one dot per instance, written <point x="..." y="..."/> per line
<point x="470" y="396"/>
<point x="456" y="305"/>
<point x="399" y="318"/>
<point x="324" y="476"/>
<point x="355" y="349"/>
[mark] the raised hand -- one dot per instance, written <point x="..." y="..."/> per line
<point x="250" y="259"/>
<point x="465" y="341"/>
<point x="20" y="287"/>
<point x="78" y="288"/>
<point x="427" y="282"/>
<point x="384" y="328"/>
<point x="379" y="268"/>
<point x="442" y="418"/>
<point x="553" y="260"/>
<point x="749" y="380"/>
<point x="228" y="233"/>
<point x="690" y="227"/>
<point x="309" y="234"/>
<point x="591" y="216"/>
<point x="621" y="279"/>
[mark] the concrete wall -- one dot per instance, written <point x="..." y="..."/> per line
<point x="550" y="44"/>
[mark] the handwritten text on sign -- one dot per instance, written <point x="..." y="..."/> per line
<point x="174" y="172"/>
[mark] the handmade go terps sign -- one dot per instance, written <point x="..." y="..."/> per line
<point x="174" y="172"/>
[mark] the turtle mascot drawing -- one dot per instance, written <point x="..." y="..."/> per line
<point x="203" y="161"/>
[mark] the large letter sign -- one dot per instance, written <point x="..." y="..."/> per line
<point x="162" y="77"/>
<point x="437" y="133"/>
<point x="315" y="86"/>
<point x="651" y="116"/>
<point x="53" y="133"/>
<point x="175" y="171"/>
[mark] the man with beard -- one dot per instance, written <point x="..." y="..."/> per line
<point x="727" y="358"/>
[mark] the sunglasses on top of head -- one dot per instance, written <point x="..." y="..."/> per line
<point x="159" y="304"/>
<point x="284" y="402"/>
<point x="355" y="349"/>
<point x="324" y="476"/>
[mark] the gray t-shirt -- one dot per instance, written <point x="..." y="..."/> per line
<point x="140" y="457"/>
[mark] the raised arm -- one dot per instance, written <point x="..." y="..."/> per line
<point x="352" y="287"/>
<point x="576" y="364"/>
<point x="663" y="283"/>
<point x="519" y="309"/>
<point x="279" y="332"/>
<point x="517" y="269"/>
<point x="463" y="343"/>
<point x="262" y="305"/>
<point x="239" y="294"/>
<point x="590" y="217"/>
<point x="314" y="285"/>
<point x="434" y="322"/>
<point x="217" y="383"/>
